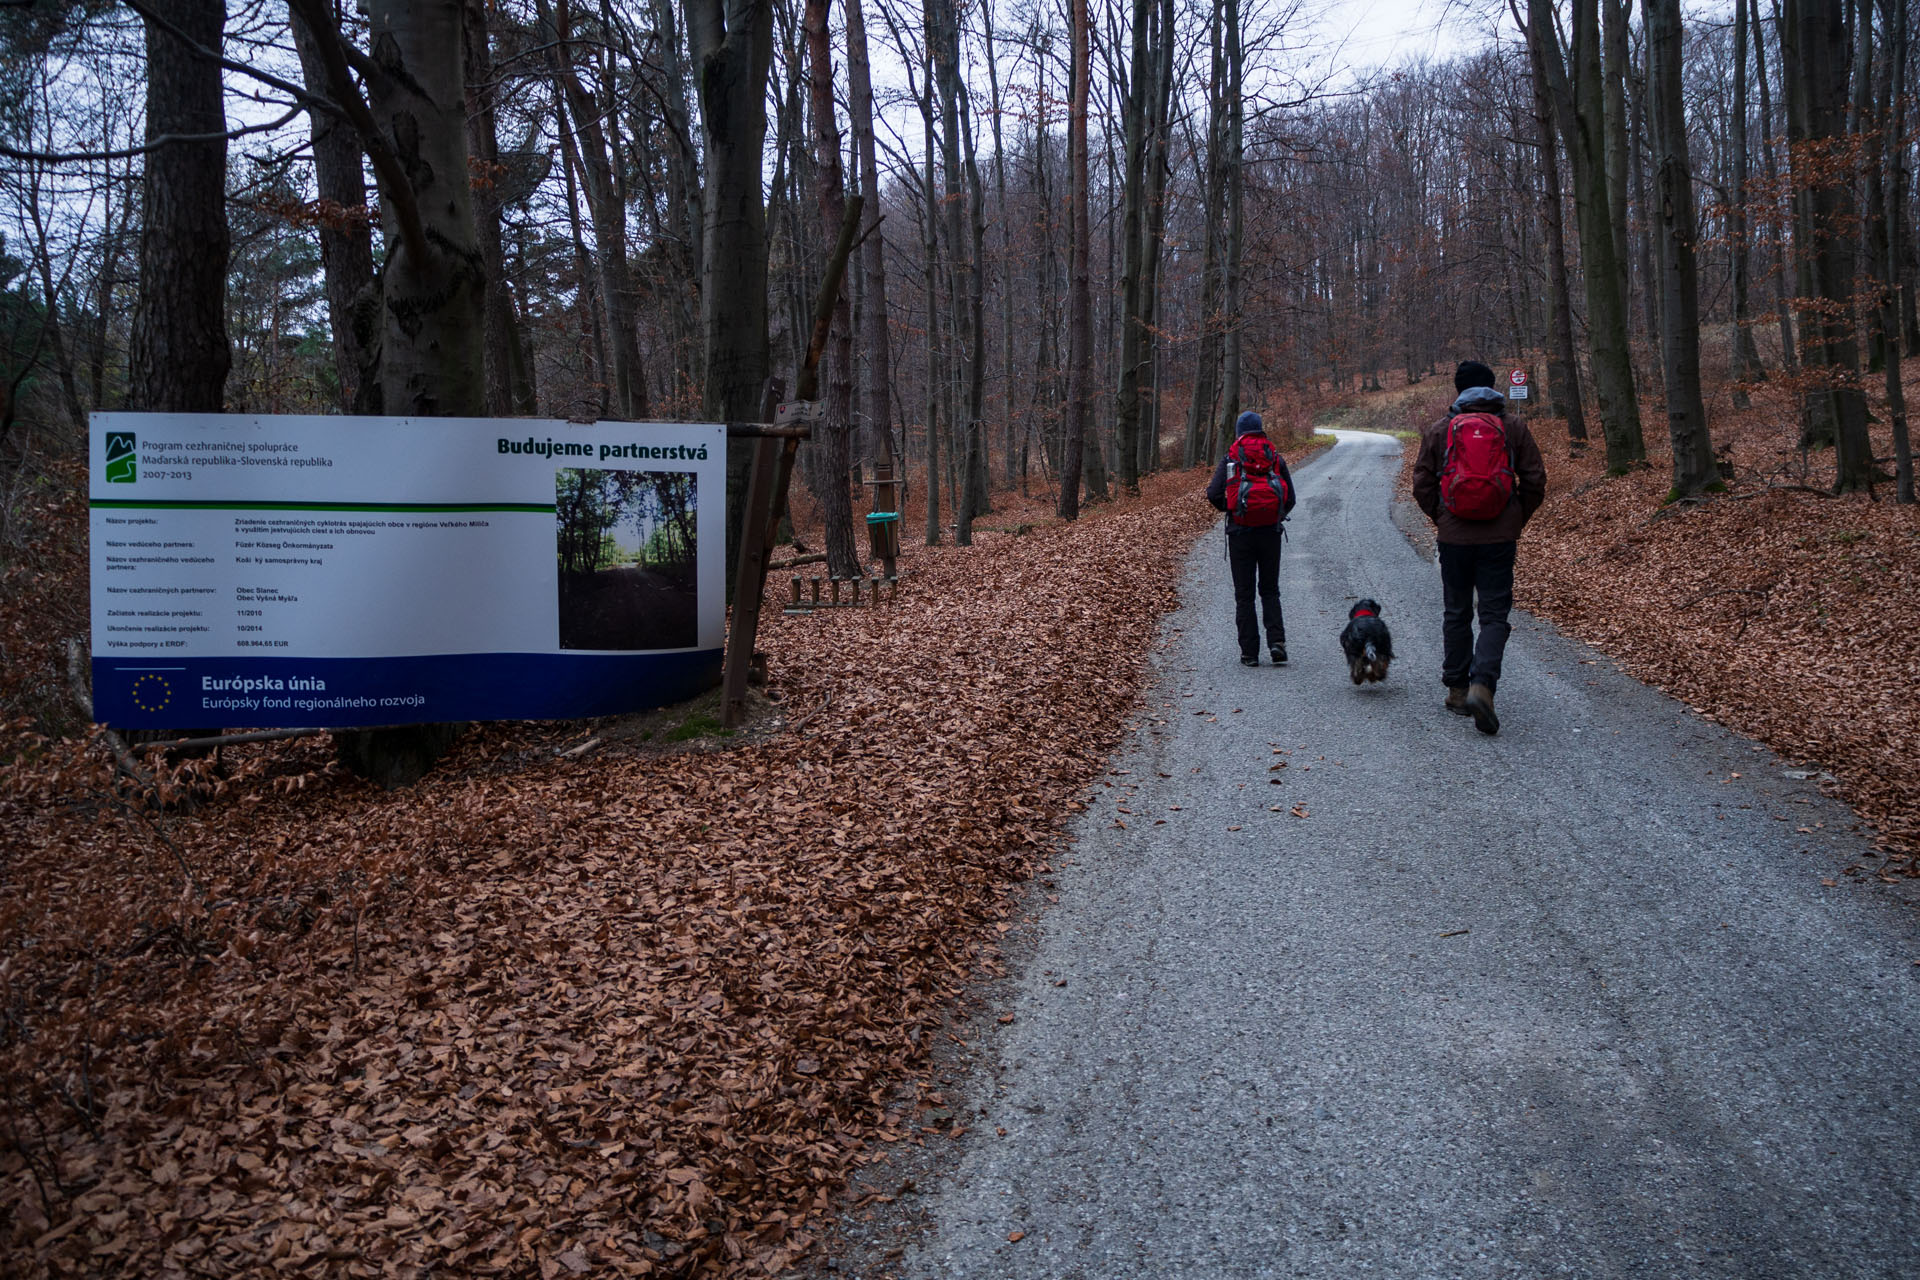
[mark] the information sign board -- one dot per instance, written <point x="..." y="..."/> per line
<point x="273" y="572"/>
<point x="1517" y="385"/>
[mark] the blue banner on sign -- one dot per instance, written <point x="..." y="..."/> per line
<point x="345" y="693"/>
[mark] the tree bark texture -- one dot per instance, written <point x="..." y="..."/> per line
<point x="1814" y="42"/>
<point x="1235" y="176"/>
<point x="1693" y="462"/>
<point x="1578" y="100"/>
<point x="606" y="205"/>
<point x="875" y="333"/>
<point x="179" y="357"/>
<point x="499" y="340"/>
<point x="1747" y="366"/>
<point x="1079" y="291"/>
<point x="1563" y="366"/>
<point x="346" y="238"/>
<point x="433" y="294"/>
<point x="831" y="437"/>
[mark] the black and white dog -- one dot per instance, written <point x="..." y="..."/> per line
<point x="1367" y="642"/>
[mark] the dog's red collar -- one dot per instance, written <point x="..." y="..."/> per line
<point x="1363" y="613"/>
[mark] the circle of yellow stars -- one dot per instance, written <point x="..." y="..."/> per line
<point x="154" y="696"/>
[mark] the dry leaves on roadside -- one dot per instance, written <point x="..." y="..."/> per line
<point x="635" y="1013"/>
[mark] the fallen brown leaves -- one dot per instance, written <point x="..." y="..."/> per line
<point x="629" y="1013"/>
<point x="1779" y="612"/>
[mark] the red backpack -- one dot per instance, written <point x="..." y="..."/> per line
<point x="1256" y="497"/>
<point x="1476" y="475"/>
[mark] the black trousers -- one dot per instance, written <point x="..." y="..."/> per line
<point x="1467" y="572"/>
<point x="1255" y="557"/>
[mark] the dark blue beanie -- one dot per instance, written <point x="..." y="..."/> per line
<point x="1248" y="423"/>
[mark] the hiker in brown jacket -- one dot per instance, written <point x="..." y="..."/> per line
<point x="1479" y="534"/>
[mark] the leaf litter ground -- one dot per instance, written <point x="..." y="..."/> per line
<point x="630" y="1011"/>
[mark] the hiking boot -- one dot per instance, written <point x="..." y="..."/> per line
<point x="1480" y="707"/>
<point x="1279" y="655"/>
<point x="1249" y="659"/>
<point x="1457" y="702"/>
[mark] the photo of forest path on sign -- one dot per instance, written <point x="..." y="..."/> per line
<point x="626" y="545"/>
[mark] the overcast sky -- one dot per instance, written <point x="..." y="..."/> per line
<point x="1368" y="34"/>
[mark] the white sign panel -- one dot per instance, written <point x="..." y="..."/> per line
<point x="329" y="571"/>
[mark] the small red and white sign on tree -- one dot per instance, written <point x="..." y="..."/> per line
<point x="1517" y="385"/>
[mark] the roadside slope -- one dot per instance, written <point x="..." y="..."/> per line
<point x="1565" y="1001"/>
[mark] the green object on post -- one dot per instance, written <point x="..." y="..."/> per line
<point x="883" y="536"/>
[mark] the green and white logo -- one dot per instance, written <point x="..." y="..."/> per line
<point x="122" y="462"/>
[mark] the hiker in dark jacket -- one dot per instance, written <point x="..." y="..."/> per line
<point x="1253" y="533"/>
<point x="1477" y="555"/>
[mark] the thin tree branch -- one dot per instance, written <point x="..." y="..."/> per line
<point x="393" y="179"/>
<point x="128" y="153"/>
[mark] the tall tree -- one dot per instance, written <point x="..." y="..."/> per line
<point x="1579" y="106"/>
<point x="509" y="384"/>
<point x="606" y="205"/>
<point x="1747" y="366"/>
<point x="346" y="237"/>
<point x="1813" y="53"/>
<point x="1079" y="286"/>
<point x="1202" y="421"/>
<point x="733" y="54"/>
<point x="1693" y="463"/>
<point x="1233" y="322"/>
<point x="413" y="126"/>
<point x="178" y="358"/>
<point x="875" y="335"/>
<point x="1563" y="367"/>
<point x="1893" y="195"/>
<point x="831" y="439"/>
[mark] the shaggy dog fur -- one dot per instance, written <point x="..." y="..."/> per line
<point x="1367" y="642"/>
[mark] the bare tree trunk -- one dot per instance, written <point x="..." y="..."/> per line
<point x="1133" y="308"/>
<point x="1894" y="14"/>
<point x="1232" y="320"/>
<point x="843" y="560"/>
<point x="1813" y="52"/>
<point x="178" y="355"/>
<point x="1643" y="249"/>
<point x="1783" y="308"/>
<point x="608" y="210"/>
<point x="1012" y="469"/>
<point x="1201" y="418"/>
<point x="732" y="43"/>
<point x="499" y="339"/>
<point x="1693" y="464"/>
<point x="978" y="480"/>
<point x="1160" y="130"/>
<point x="413" y="125"/>
<point x="875" y="336"/>
<point x="930" y="256"/>
<point x="1563" y="366"/>
<point x="1578" y="105"/>
<point x="1614" y="69"/>
<point x="346" y="239"/>
<point x="1079" y="291"/>
<point x="1746" y="356"/>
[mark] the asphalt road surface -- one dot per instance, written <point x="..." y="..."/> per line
<point x="1568" y="1001"/>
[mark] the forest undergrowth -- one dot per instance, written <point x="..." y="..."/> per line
<point x="1776" y="608"/>
<point x="637" y="1011"/>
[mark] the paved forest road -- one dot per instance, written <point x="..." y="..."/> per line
<point x="1653" y="1045"/>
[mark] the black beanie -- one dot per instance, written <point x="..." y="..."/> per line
<point x="1472" y="373"/>
<point x="1247" y="423"/>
